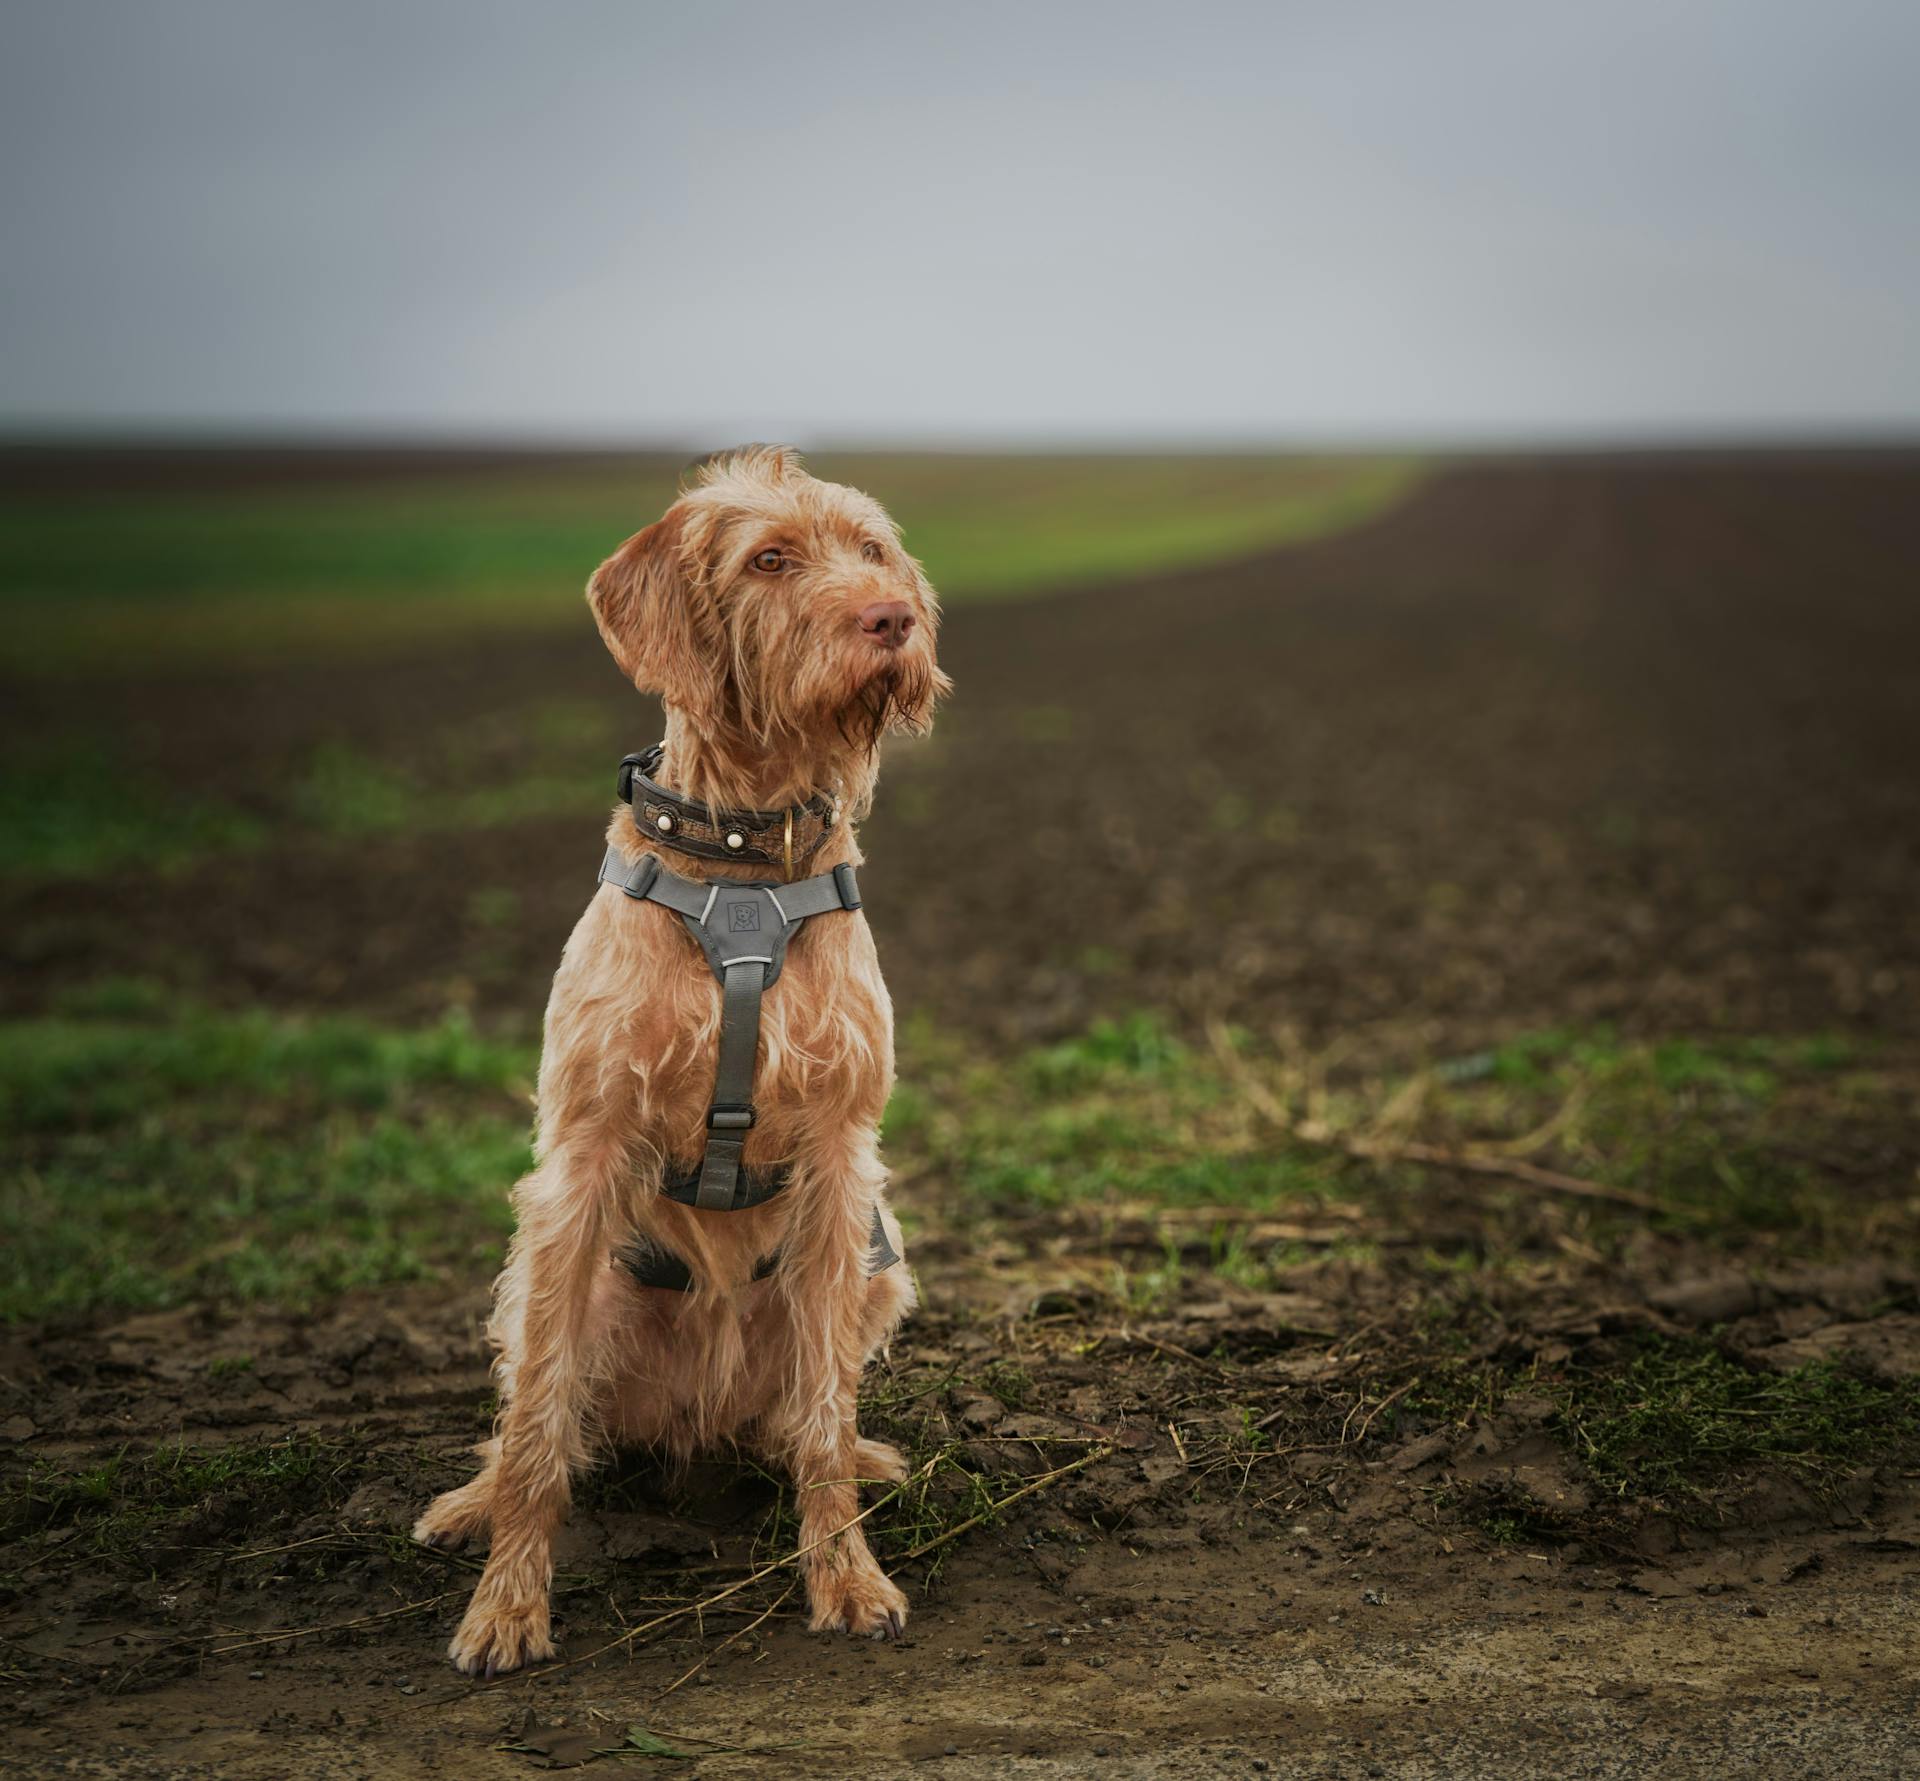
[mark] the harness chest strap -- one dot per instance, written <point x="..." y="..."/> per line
<point x="651" y="1265"/>
<point x="743" y="929"/>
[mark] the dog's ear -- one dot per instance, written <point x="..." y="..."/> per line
<point x="649" y="608"/>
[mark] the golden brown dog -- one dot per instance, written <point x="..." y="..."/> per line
<point x="786" y="631"/>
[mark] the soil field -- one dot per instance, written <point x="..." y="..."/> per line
<point x="1557" y="944"/>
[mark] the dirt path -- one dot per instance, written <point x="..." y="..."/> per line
<point x="1173" y="1607"/>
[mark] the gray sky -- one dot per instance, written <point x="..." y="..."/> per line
<point x="698" y="220"/>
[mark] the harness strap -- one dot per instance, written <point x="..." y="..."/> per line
<point x="730" y="1117"/>
<point x="651" y="1265"/>
<point x="743" y="929"/>
<point x="754" y="1188"/>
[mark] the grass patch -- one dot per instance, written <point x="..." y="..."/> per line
<point x="1126" y="1112"/>
<point x="345" y="793"/>
<point x="70" y="813"/>
<point x="76" y="811"/>
<point x="133" y="1501"/>
<point x="1676" y="1417"/>
<point x="155" y="1156"/>
<point x="212" y="1156"/>
<point x="1726" y="1131"/>
<point x="1664" y="1423"/>
<point x="1728" y="1136"/>
<point x="341" y="567"/>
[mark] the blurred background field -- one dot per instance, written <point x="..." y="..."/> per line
<point x="120" y="562"/>
<point x="131" y="566"/>
<point x="326" y="737"/>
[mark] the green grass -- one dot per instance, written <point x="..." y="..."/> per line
<point x="127" y="581"/>
<point x="157" y="1155"/>
<point x="1726" y="1135"/>
<point x="1678" y="1416"/>
<point x="125" y="1503"/>
<point x="67" y="812"/>
<point x="1664" y="1422"/>
<point x="152" y="1162"/>
<point x="1127" y="1112"/>
<point x="1719" y="1129"/>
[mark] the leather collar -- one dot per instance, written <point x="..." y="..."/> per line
<point x="785" y="838"/>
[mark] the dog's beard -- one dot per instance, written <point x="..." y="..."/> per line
<point x="895" y="698"/>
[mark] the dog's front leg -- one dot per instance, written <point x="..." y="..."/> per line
<point x="546" y="1368"/>
<point x="824" y="1277"/>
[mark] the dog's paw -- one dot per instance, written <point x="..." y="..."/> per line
<point x="497" y="1638"/>
<point x="863" y="1602"/>
<point x="452" y="1519"/>
<point x="878" y="1460"/>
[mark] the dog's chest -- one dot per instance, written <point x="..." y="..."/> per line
<point x="826" y="1025"/>
<point x="825" y="1057"/>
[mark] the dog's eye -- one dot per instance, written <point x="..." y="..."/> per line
<point x="872" y="552"/>
<point x="770" y="562"/>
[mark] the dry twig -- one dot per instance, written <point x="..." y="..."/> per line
<point x="707" y="1657"/>
<point x="338" y="1626"/>
<point x="1317" y="1132"/>
<point x="1012" y="1496"/>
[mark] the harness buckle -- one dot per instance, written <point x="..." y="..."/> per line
<point x="729" y="1116"/>
<point x="640" y="880"/>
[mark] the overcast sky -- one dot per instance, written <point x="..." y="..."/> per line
<point x="698" y="220"/>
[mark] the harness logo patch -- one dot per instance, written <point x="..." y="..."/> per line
<point x="743" y="918"/>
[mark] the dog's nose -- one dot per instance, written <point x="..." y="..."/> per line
<point x="887" y="621"/>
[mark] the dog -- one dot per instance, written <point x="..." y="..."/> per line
<point x="787" y="632"/>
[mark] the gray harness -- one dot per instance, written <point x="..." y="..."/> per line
<point x="743" y="929"/>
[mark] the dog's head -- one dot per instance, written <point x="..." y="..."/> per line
<point x="773" y="611"/>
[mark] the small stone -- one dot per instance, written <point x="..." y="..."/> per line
<point x="953" y="1749"/>
<point x="256" y="1675"/>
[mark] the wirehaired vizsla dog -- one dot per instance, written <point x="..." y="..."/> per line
<point x="704" y="1252"/>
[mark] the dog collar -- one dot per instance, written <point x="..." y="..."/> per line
<point x="786" y="838"/>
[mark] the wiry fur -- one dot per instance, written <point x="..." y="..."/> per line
<point x="772" y="691"/>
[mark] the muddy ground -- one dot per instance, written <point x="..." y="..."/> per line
<point x="1553" y="744"/>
